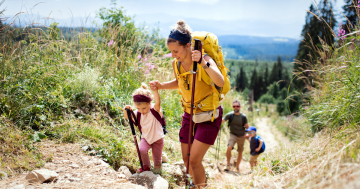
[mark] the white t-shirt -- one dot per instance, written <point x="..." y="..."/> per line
<point x="151" y="128"/>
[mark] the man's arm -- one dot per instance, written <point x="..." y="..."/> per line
<point x="246" y="125"/>
<point x="223" y="121"/>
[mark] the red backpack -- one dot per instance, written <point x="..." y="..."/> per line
<point x="157" y="116"/>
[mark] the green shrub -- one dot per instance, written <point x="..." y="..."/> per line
<point x="267" y="98"/>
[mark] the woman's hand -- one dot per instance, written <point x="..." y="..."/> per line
<point x="196" y="56"/>
<point x="154" y="85"/>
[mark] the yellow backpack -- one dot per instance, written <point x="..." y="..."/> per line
<point x="210" y="46"/>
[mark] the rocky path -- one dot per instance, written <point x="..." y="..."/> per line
<point x="74" y="169"/>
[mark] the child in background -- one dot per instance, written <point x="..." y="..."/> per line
<point x="152" y="131"/>
<point x="257" y="145"/>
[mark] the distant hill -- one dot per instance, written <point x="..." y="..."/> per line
<point x="262" y="48"/>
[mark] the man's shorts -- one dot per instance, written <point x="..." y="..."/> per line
<point x="239" y="140"/>
<point x="205" y="132"/>
<point x="253" y="159"/>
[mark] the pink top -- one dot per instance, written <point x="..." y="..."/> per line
<point x="151" y="128"/>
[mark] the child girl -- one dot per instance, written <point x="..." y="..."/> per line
<point x="152" y="132"/>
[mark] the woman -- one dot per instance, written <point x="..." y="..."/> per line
<point x="205" y="133"/>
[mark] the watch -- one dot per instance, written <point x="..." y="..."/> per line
<point x="207" y="65"/>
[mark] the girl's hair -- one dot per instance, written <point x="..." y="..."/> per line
<point x="183" y="28"/>
<point x="143" y="90"/>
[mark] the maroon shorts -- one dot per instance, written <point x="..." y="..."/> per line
<point x="205" y="132"/>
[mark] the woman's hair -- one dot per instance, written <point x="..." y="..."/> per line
<point x="143" y="90"/>
<point x="183" y="28"/>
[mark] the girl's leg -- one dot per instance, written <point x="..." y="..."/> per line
<point x="184" y="151"/>
<point x="157" y="148"/>
<point x="197" y="154"/>
<point x="144" y="148"/>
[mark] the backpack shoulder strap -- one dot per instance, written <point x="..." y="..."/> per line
<point x="138" y="115"/>
<point x="160" y="119"/>
<point x="231" y="117"/>
<point x="157" y="116"/>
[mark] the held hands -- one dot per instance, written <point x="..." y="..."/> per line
<point x="154" y="85"/>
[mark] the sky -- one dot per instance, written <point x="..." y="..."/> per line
<point x="275" y="18"/>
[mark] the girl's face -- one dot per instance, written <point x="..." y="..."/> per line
<point x="143" y="108"/>
<point x="178" y="51"/>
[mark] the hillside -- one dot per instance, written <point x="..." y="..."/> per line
<point x="261" y="48"/>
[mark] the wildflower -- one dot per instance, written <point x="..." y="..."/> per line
<point x="341" y="32"/>
<point x="168" y="55"/>
<point x="147" y="71"/>
<point x="111" y="42"/>
<point x="343" y="67"/>
<point x="139" y="56"/>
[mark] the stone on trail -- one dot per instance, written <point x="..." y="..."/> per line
<point x="41" y="175"/>
<point x="149" y="180"/>
<point x="174" y="170"/>
<point x="124" y="170"/>
<point x="20" y="186"/>
<point x="164" y="158"/>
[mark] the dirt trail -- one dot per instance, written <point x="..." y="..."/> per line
<point x="230" y="179"/>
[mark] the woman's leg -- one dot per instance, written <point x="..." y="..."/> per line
<point x="157" y="148"/>
<point x="144" y="148"/>
<point x="184" y="151"/>
<point x="197" y="154"/>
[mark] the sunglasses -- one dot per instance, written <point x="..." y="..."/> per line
<point x="236" y="106"/>
<point x="251" y="132"/>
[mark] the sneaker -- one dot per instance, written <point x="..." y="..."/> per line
<point x="146" y="168"/>
<point x="227" y="168"/>
<point x="237" y="170"/>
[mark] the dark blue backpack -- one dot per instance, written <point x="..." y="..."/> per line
<point x="257" y="137"/>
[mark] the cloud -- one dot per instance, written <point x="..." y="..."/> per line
<point x="210" y="2"/>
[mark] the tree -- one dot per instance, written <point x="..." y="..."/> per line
<point x="279" y="70"/>
<point x="266" y="75"/>
<point x="241" y="80"/>
<point x="350" y="11"/>
<point x="273" y="75"/>
<point x="315" y="27"/>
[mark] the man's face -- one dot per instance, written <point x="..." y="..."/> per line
<point x="236" y="107"/>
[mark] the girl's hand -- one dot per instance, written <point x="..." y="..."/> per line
<point x="257" y="149"/>
<point x="127" y="107"/>
<point x="154" y="85"/>
<point x="196" y="56"/>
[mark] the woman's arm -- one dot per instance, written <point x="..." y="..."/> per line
<point x="166" y="85"/>
<point x="213" y="71"/>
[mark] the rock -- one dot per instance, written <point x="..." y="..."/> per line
<point x="122" y="176"/>
<point x="3" y="175"/>
<point x="20" y="186"/>
<point x="206" y="160"/>
<point x="149" y="180"/>
<point x="74" y="166"/>
<point x="179" y="163"/>
<point x="41" y="175"/>
<point x="124" y="170"/>
<point x="74" y="179"/>
<point x="174" y="170"/>
<point x="164" y="158"/>
<point x="85" y="148"/>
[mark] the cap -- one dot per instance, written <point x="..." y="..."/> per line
<point x="252" y="128"/>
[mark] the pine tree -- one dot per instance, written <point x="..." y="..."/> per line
<point x="279" y="70"/>
<point x="350" y="9"/>
<point x="273" y="75"/>
<point x="253" y="79"/>
<point x="241" y="80"/>
<point x="266" y="75"/>
<point x="313" y="30"/>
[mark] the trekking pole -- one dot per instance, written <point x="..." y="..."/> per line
<point x="134" y="135"/>
<point x="191" y="111"/>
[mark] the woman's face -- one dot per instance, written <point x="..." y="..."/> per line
<point x="178" y="51"/>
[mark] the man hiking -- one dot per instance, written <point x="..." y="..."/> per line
<point x="238" y="125"/>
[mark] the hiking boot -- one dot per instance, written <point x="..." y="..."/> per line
<point x="227" y="168"/>
<point x="146" y="168"/>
